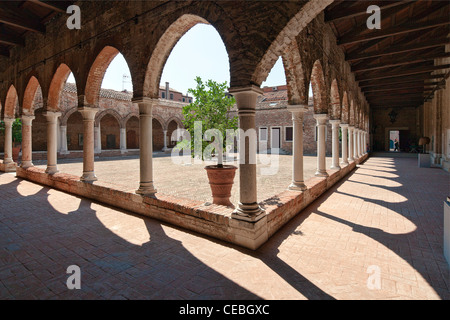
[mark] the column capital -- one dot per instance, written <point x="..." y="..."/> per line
<point x="145" y="100"/>
<point x="88" y="112"/>
<point x="297" y="107"/>
<point x="8" y="121"/>
<point x="246" y="98"/>
<point x="344" y="125"/>
<point x="321" y="118"/>
<point x="27" y="118"/>
<point x="52" y="115"/>
<point x="334" y="122"/>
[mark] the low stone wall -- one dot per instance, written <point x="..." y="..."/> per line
<point x="211" y="220"/>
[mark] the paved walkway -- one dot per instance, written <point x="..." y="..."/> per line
<point x="376" y="235"/>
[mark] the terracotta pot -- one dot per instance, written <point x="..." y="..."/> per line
<point x="15" y="153"/>
<point x="221" y="182"/>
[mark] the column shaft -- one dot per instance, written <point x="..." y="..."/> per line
<point x="88" y="114"/>
<point x="335" y="144"/>
<point x="27" y="148"/>
<point x="146" y="146"/>
<point x="8" y="140"/>
<point x="321" y="147"/>
<point x="344" y="128"/>
<point x="52" y="141"/>
<point x="297" y="148"/>
<point x="123" y="140"/>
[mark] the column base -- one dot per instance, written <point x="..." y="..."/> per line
<point x="320" y="173"/>
<point x="344" y="164"/>
<point x="146" y="189"/>
<point x="123" y="151"/>
<point x="26" y="164"/>
<point x="300" y="186"/>
<point x="248" y="212"/>
<point x="51" y="169"/>
<point x="337" y="168"/>
<point x="88" y="177"/>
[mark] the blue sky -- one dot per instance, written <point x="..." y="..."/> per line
<point x="200" y="52"/>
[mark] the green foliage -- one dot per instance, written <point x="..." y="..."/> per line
<point x="16" y="130"/>
<point x="211" y="105"/>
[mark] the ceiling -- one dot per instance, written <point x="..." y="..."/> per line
<point x="19" y="18"/>
<point x="395" y="65"/>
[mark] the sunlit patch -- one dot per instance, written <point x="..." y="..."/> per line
<point x="375" y="179"/>
<point x="25" y="188"/>
<point x="63" y="205"/>
<point x="128" y="227"/>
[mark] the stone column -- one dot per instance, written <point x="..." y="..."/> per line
<point x="335" y="144"/>
<point x="8" y="140"/>
<point x="146" y="146"/>
<point x="123" y="140"/>
<point x="63" y="130"/>
<point x="52" y="141"/>
<point x="248" y="208"/>
<point x="97" y="139"/>
<point x="88" y="114"/>
<point x="297" y="148"/>
<point x="350" y="143"/>
<point x="321" y="147"/>
<point x="165" y="140"/>
<point x="359" y="143"/>
<point x="344" y="128"/>
<point x="27" y="148"/>
<point x="355" y="144"/>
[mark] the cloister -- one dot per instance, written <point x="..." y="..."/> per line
<point x="356" y="74"/>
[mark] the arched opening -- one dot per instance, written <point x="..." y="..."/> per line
<point x="345" y="109"/>
<point x="110" y="132"/>
<point x="158" y="135"/>
<point x="318" y="89"/>
<point x="75" y="131"/>
<point x="11" y="103"/>
<point x="132" y="129"/>
<point x="335" y="101"/>
<point x="171" y="127"/>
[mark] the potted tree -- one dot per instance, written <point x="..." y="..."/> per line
<point x="208" y="115"/>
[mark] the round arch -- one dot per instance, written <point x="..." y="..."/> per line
<point x="335" y="101"/>
<point x="29" y="96"/>
<point x="319" y="89"/>
<point x="11" y="102"/>
<point x="345" y="109"/>
<point x="111" y="112"/>
<point x="295" y="77"/>
<point x="56" y="86"/>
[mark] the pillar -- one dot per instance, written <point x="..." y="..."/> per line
<point x="350" y="143"/>
<point x="355" y="144"/>
<point x="344" y="129"/>
<point x="297" y="148"/>
<point x="97" y="139"/>
<point x="52" y="141"/>
<point x="88" y="114"/>
<point x="335" y="144"/>
<point x="165" y="140"/>
<point x="146" y="146"/>
<point x="8" y="140"/>
<point x="359" y="153"/>
<point x="123" y="140"/>
<point x="27" y="148"/>
<point x="248" y="208"/>
<point x="63" y="133"/>
<point x="321" y="147"/>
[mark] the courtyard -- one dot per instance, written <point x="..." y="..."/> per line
<point x="385" y="216"/>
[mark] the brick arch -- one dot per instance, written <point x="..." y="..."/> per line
<point x="29" y="95"/>
<point x="335" y="101"/>
<point x="11" y="102"/>
<point x="295" y="77"/>
<point x="111" y="112"/>
<point x="176" y="119"/>
<point x="163" y="49"/>
<point x="319" y="88"/>
<point x="56" y="86"/>
<point x="306" y="14"/>
<point x="128" y="117"/>
<point x="65" y="116"/>
<point x="345" y="109"/>
<point x="160" y="120"/>
<point x="96" y="73"/>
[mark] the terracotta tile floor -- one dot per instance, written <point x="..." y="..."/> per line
<point x="375" y="235"/>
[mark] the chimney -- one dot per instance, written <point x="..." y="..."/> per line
<point x="167" y="90"/>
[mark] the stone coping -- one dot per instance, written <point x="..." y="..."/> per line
<point x="211" y="220"/>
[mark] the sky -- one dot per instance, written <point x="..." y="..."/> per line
<point x="200" y="52"/>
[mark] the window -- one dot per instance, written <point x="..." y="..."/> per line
<point x="190" y="100"/>
<point x="184" y="99"/>
<point x="288" y="134"/>
<point x="163" y="95"/>
<point x="171" y="96"/>
<point x="263" y="134"/>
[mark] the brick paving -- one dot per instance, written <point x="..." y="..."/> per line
<point x="385" y="216"/>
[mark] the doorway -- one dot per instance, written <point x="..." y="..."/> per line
<point x="275" y="141"/>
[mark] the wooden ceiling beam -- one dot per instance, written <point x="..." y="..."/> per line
<point x="52" y="5"/>
<point x="406" y="79"/>
<point x="394" y="74"/>
<point x="392" y="31"/>
<point x="11" y="17"/>
<point x="390" y="88"/>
